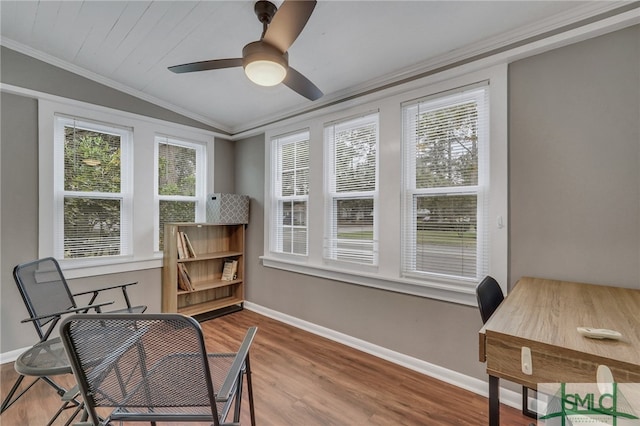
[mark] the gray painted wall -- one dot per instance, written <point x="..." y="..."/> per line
<point x="223" y="170"/>
<point x="24" y="71"/>
<point x="574" y="201"/>
<point x="19" y="205"/>
<point x="19" y="225"/>
<point x="19" y="183"/>
<point x="249" y="180"/>
<point x="565" y="153"/>
<point x="574" y="162"/>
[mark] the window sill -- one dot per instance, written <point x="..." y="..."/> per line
<point x="89" y="268"/>
<point x="460" y="294"/>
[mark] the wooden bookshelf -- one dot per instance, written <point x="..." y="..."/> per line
<point x="212" y="246"/>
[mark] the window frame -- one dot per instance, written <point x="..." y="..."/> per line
<point x="125" y="195"/>
<point x="331" y="251"/>
<point x="142" y="255"/>
<point x="276" y="226"/>
<point x="200" y="190"/>
<point x="387" y="274"/>
<point x="480" y="190"/>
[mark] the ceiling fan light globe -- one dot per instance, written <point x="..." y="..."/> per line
<point x="264" y="64"/>
<point x="265" y="72"/>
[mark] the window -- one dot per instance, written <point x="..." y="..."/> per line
<point x="180" y="183"/>
<point x="99" y="195"/>
<point x="351" y="159"/>
<point x="413" y="184"/>
<point x="445" y="203"/>
<point x="290" y="193"/>
<point x="92" y="189"/>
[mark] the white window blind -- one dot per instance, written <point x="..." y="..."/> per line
<point x="180" y="182"/>
<point x="445" y="141"/>
<point x="351" y="158"/>
<point x="289" y="223"/>
<point x="93" y="189"/>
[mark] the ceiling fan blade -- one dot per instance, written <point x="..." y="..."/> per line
<point x="301" y="84"/>
<point x="288" y="22"/>
<point x="213" y="64"/>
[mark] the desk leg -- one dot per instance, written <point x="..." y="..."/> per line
<point x="494" y="401"/>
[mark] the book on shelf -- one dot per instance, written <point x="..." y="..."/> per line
<point x="188" y="277"/>
<point x="188" y="246"/>
<point x="184" y="279"/>
<point x="180" y="245"/>
<point x="230" y="270"/>
<point x="185" y="248"/>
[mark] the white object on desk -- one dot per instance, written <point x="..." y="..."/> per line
<point x="604" y="379"/>
<point x="599" y="333"/>
<point x="527" y="367"/>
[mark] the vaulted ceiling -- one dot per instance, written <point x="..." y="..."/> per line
<point x="347" y="47"/>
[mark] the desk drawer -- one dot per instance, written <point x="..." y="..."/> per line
<point x="550" y="364"/>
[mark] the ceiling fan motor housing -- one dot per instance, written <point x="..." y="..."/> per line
<point x="264" y="64"/>
<point x="261" y="51"/>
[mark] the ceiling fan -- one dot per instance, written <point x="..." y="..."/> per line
<point x="266" y="61"/>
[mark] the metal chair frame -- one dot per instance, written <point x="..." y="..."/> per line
<point x="131" y="362"/>
<point x="45" y="316"/>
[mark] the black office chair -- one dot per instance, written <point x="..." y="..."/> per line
<point x="489" y="296"/>
<point x="47" y="298"/>
<point x="155" y="368"/>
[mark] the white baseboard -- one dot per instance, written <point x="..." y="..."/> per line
<point x="480" y="387"/>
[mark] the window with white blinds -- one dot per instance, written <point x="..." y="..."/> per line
<point x="414" y="189"/>
<point x="93" y="189"/>
<point x="351" y="185"/>
<point x="290" y="189"/>
<point x="446" y="186"/>
<point x="180" y="183"/>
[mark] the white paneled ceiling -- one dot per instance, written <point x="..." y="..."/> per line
<point x="345" y="46"/>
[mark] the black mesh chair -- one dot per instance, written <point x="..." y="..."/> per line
<point x="154" y="367"/>
<point x="490" y="296"/>
<point x="47" y="298"/>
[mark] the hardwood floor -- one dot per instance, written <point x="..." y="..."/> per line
<point x="305" y="380"/>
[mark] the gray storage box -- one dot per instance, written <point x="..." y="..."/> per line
<point x="226" y="209"/>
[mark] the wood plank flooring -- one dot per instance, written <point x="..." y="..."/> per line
<point x="305" y="380"/>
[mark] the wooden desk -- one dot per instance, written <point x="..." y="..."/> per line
<point x="543" y="315"/>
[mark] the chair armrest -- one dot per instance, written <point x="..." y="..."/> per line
<point x="68" y="311"/>
<point x="122" y="286"/>
<point x="238" y="363"/>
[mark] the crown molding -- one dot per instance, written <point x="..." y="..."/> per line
<point x="526" y="41"/>
<point x="59" y="63"/>
<point x="554" y="25"/>
<point x="35" y="94"/>
<point x="590" y="20"/>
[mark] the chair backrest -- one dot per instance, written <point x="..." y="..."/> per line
<point x="489" y="295"/>
<point x="139" y="363"/>
<point x="44" y="291"/>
